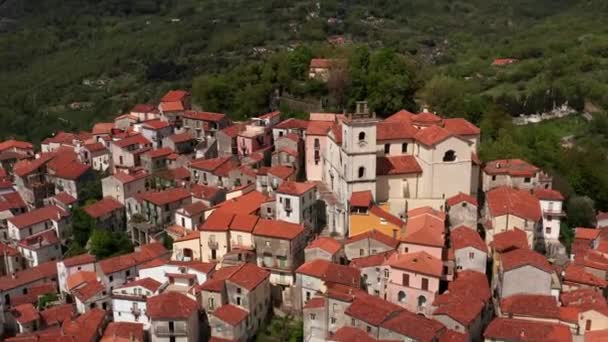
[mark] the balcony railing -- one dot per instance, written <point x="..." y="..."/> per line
<point x="178" y="330"/>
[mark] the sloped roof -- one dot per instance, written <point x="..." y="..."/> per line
<point x="527" y="331"/>
<point x="330" y="272"/>
<point x="330" y="245"/>
<point x="461" y="197"/>
<point x="103" y="207"/>
<point x="463" y="237"/>
<point x="418" y="262"/>
<point x="397" y="165"/>
<point x="524" y="257"/>
<point x="504" y="200"/>
<point x="171" y="305"/>
<point x="374" y="235"/>
<point x="278" y="229"/>
<point x="513" y="167"/>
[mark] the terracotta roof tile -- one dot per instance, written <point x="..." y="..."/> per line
<point x="372" y="310"/>
<point x="395" y="130"/>
<point x="350" y="334"/>
<point x="418" y="262"/>
<point x="453" y="336"/>
<point x="159" y="153"/>
<point x="460" y="126"/>
<point x="292" y="123"/>
<point x="548" y="194"/>
<point x="57" y="314"/>
<point x="171" y="305"/>
<point x="147" y="283"/>
<point x="122" y="262"/>
<point x="249" y="203"/>
<point x="432" y="135"/>
<point x="249" y="276"/>
<point x="296" y="188"/>
<point x="527" y="331"/>
<point x="65" y="198"/>
<point x="361" y="199"/>
<point x="217" y="221"/>
<point x="524" y="257"/>
<point x="230" y="314"/>
<point x="38" y="215"/>
<point x="461" y="197"/>
<point x="327" y="244"/>
<point x="103" y="207"/>
<point x="414" y="326"/>
<point x="175" y="95"/>
<point x="536" y="306"/>
<point x="205" y="116"/>
<point x="88" y="290"/>
<point x="204" y="191"/>
<point x="586" y="233"/>
<point x="209" y="165"/>
<point x="509" y="240"/>
<point x="577" y="274"/>
<point x="39" y="240"/>
<point x="330" y="272"/>
<point x="505" y="200"/>
<point x="373" y="260"/>
<point x="164" y="197"/>
<point x="25" y="313"/>
<point x="512" y="167"/>
<point x="244" y="223"/>
<point x="86" y="326"/>
<point x="194" y="208"/>
<point x="463" y="237"/>
<point x="278" y="229"/>
<point x="374" y="235"/>
<point x="397" y="165"/>
<point x="281" y="171"/>
<point x="318" y="128"/>
<point x="123" y="332"/>
<point x="425" y="230"/>
<point x="15" y="144"/>
<point x="42" y="272"/>
<point x="136" y="139"/>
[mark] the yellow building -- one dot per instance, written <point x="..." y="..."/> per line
<point x="365" y="216"/>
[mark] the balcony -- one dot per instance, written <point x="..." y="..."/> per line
<point x="165" y="331"/>
<point x="553" y="212"/>
<point x="213" y="244"/>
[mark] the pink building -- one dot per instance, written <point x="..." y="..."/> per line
<point x="414" y="280"/>
<point x="252" y="139"/>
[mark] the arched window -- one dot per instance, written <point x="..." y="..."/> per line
<point x="361" y="136"/>
<point x="361" y="172"/>
<point x="421" y="301"/>
<point x="401" y="296"/>
<point x="449" y="156"/>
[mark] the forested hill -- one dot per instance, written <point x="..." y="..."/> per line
<point x="107" y="55"/>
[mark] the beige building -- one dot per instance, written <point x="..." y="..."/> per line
<point x="174" y="317"/>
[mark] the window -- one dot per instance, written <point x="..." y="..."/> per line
<point x="369" y="329"/>
<point x="313" y="317"/>
<point x="361" y="252"/>
<point x="387" y="148"/>
<point x="425" y="284"/>
<point x="527" y="180"/>
<point x="405" y="279"/>
<point x="361" y="172"/>
<point x="267" y="243"/>
<point x="549" y="218"/>
<point x="493" y="177"/>
<point x="128" y="273"/>
<point x="238" y="290"/>
<point x="386" y="273"/>
<point x="403" y="147"/>
<point x="333" y="320"/>
<point x="361" y="136"/>
<point x="401" y="296"/>
<point x="421" y="301"/>
<point x="111" y="278"/>
<point x="307" y="296"/>
<point x="548" y="230"/>
<point x="238" y="300"/>
<point x="354" y="323"/>
<point x="449" y="156"/>
<point x="471" y="255"/>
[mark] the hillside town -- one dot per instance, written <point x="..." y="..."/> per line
<point x="361" y="228"/>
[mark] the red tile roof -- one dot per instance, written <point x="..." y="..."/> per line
<point x="123" y="332"/>
<point x="25" y="167"/>
<point x="511" y="239"/>
<point x="77" y="279"/>
<point x="281" y="171"/>
<point x="596" y="335"/>
<point x="373" y="260"/>
<point x="536" y="306"/>
<point x="143" y="108"/>
<point x="160" y="152"/>
<point x="155" y="124"/>
<point x="37" y="216"/>
<point x="174" y="95"/>
<point x="292" y="123"/>
<point x="136" y="139"/>
<point x="209" y="165"/>
<point x="171" y="306"/>
<point x="583" y="297"/>
<point x="460" y="126"/>
<point x="194" y="208"/>
<point x="11" y="200"/>
<point x="278" y="229"/>
<point x="315" y="303"/>
<point x="586" y="233"/>
<point x="79" y="260"/>
<point x="330" y="272"/>
<point x="548" y="194"/>
<point x="372" y="310"/>
<point x="414" y="326"/>
<point x="204" y="191"/>
<point x="181" y="137"/>
<point x="249" y="276"/>
<point x="418" y="262"/>
<point x="374" y="235"/>
<point x="42" y="239"/>
<point x="361" y="199"/>
<point x="164" y="197"/>
<point x="86" y="326"/>
<point x="395" y="130"/>
<point x="397" y="165"/>
<point x="453" y="336"/>
<point x="8" y="250"/>
<point x="57" y="314"/>
<point x="508" y="201"/>
<point x="427" y="230"/>
<point x="577" y="274"/>
<point x="526" y="331"/>
<point x="147" y="283"/>
<point x="432" y="135"/>
<point x="249" y="203"/>
<point x="103" y="207"/>
<point x="217" y="221"/>
<point x="103" y="128"/>
<point x="321" y="63"/>
<point x="296" y="188"/>
<point x="350" y="334"/>
<point x="34" y="292"/>
<point x="25" y="313"/>
<point x="230" y="314"/>
<point x="244" y="223"/>
<point x="122" y="262"/>
<point x="332" y="246"/>
<point x="318" y="128"/>
<point x="88" y="291"/>
<point x="461" y="197"/>
<point x="512" y="167"/>
<point x="65" y="198"/>
<point x="463" y="237"/>
<point x="524" y="257"/>
<point x="204" y="116"/>
<point x="67" y="167"/>
<point x="15" y="144"/>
